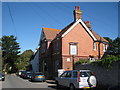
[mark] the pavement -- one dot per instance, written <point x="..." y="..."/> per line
<point x="51" y="81"/>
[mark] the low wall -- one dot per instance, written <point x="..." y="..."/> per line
<point x="105" y="77"/>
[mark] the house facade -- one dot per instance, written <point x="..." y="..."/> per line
<point x="34" y="63"/>
<point x="60" y="49"/>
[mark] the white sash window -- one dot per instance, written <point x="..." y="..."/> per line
<point x="73" y="49"/>
<point x="94" y="45"/>
<point x="104" y="47"/>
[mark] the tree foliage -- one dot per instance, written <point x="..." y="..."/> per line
<point x="114" y="46"/>
<point x="112" y="54"/>
<point x="24" y="59"/>
<point x="10" y="49"/>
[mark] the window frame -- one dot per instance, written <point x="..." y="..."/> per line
<point x="104" y="47"/>
<point x="94" y="46"/>
<point x="73" y="43"/>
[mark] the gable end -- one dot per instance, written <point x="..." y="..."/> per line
<point x="83" y="24"/>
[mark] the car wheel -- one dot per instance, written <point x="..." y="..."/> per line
<point x="72" y="87"/>
<point x="92" y="80"/>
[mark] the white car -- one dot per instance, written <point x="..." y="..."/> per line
<point x="77" y="79"/>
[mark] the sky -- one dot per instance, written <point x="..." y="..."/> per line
<point x="25" y="20"/>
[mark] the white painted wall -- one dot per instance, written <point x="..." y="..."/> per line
<point x="35" y="62"/>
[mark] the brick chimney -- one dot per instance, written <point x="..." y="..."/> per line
<point x="88" y="24"/>
<point x="77" y="13"/>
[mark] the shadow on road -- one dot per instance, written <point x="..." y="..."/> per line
<point x="61" y="88"/>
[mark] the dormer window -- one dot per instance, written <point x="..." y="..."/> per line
<point x="94" y="46"/>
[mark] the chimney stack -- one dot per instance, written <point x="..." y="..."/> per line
<point x="77" y="13"/>
<point x="88" y="24"/>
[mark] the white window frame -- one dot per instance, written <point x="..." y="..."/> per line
<point x="74" y="47"/>
<point x="104" y="47"/>
<point x="94" y="46"/>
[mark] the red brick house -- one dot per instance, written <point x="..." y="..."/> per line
<point x="59" y="49"/>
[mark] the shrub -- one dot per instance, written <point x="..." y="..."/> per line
<point x="82" y="61"/>
<point x="108" y="60"/>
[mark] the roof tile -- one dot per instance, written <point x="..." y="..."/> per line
<point x="50" y="33"/>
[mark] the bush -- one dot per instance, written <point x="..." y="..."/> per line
<point x="108" y="60"/>
<point x="82" y="61"/>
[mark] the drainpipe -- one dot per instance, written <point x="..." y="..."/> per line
<point x="73" y="61"/>
<point x="100" y="41"/>
<point x="99" y="50"/>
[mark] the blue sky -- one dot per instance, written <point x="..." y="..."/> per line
<point x="25" y="20"/>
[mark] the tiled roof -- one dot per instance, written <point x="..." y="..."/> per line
<point x="64" y="29"/>
<point x="50" y="33"/>
<point x="55" y="33"/>
<point x="98" y="37"/>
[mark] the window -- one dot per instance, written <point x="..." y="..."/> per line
<point x="73" y="48"/>
<point x="104" y="47"/>
<point x="64" y="74"/>
<point x="83" y="74"/>
<point x="75" y="74"/>
<point x="94" y="45"/>
<point x="69" y="74"/>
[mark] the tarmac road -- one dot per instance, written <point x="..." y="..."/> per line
<point x="13" y="81"/>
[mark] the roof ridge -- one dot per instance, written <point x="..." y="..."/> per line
<point x="44" y="28"/>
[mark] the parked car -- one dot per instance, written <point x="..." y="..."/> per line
<point x="27" y="75"/>
<point x="38" y="76"/>
<point x="2" y="76"/>
<point x="77" y="79"/>
<point x="19" y="72"/>
<point x="22" y="74"/>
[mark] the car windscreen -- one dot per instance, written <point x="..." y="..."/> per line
<point x="83" y="74"/>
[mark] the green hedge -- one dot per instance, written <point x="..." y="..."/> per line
<point x="108" y="60"/>
<point x="82" y="61"/>
<point x="105" y="62"/>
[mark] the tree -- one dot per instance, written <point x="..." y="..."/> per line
<point x="108" y="39"/>
<point x="114" y="46"/>
<point x="10" y="49"/>
<point x="24" y="59"/>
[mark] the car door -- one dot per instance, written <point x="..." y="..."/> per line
<point x="61" y="79"/>
<point x="68" y="78"/>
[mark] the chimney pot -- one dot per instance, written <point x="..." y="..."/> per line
<point x="77" y="13"/>
<point x="77" y="7"/>
<point x="88" y="24"/>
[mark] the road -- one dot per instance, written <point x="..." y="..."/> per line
<point x="13" y="81"/>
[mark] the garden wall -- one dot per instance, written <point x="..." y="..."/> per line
<point x="105" y="77"/>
